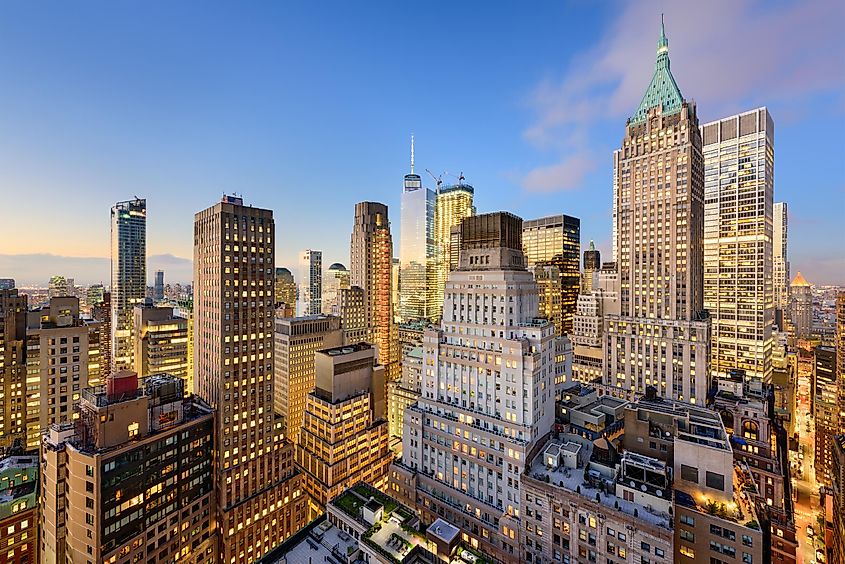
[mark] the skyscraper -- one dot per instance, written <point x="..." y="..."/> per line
<point x="780" y="262"/>
<point x="487" y="392"/>
<point x="801" y="306"/>
<point x="555" y="241"/>
<point x="335" y="280"/>
<point x="661" y="336"/>
<point x="738" y="200"/>
<point x="12" y="367"/>
<point x="101" y="312"/>
<point x="452" y="204"/>
<point x="371" y="269"/>
<point x="825" y="411"/>
<point x="285" y="289"/>
<point x="132" y="480"/>
<point x="839" y="341"/>
<point x="128" y="275"/>
<point x="344" y="437"/>
<point x="417" y="249"/>
<point x="310" y="282"/>
<point x="592" y="264"/>
<point x="258" y="499"/>
<point x="158" y="288"/>
<point x="295" y="341"/>
<point x="58" y="287"/>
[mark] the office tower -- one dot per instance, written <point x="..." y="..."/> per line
<point x="185" y="310"/>
<point x="158" y="287"/>
<point x="94" y="296"/>
<point x="592" y="264"/>
<point x="258" y="496"/>
<point x="343" y="439"/>
<point x="550" y="290"/>
<point x="58" y="287"/>
<point x="285" y="288"/>
<point x="19" y="507"/>
<point x="310" y="282"/>
<point x="7" y="283"/>
<point x="454" y="246"/>
<point x="394" y="288"/>
<point x="825" y="410"/>
<point x="661" y="336"/>
<point x="128" y="275"/>
<point x="588" y="332"/>
<point x="101" y="312"/>
<point x="295" y="341"/>
<point x="417" y="249"/>
<point x="555" y="241"/>
<point x="13" y="360"/>
<point x="161" y="342"/>
<point x="353" y="315"/>
<point x="714" y="509"/>
<point x="335" y="280"/>
<point x="132" y="481"/>
<point x="57" y="341"/>
<point x="451" y="205"/>
<point x="372" y="270"/>
<point x="403" y="392"/>
<point x="780" y="262"/>
<point x="738" y="199"/>
<point x="487" y="392"/>
<point x="801" y="306"/>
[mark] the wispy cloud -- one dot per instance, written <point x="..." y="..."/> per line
<point x="565" y="175"/>
<point x="728" y="55"/>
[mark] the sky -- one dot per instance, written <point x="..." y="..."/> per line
<point x="307" y="108"/>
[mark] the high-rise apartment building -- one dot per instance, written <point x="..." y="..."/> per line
<point x="310" y="282"/>
<point x="296" y="340"/>
<point x="128" y="275"/>
<point x="158" y="286"/>
<point x="417" y="249"/>
<point x="839" y="343"/>
<point x="161" y="342"/>
<point x="452" y="205"/>
<point x="344" y="437"/>
<point x="554" y="243"/>
<point x="19" y="507"/>
<point x="13" y="358"/>
<point x="738" y="207"/>
<point x="780" y="262"/>
<point x="588" y="327"/>
<point x="661" y="336"/>
<point x="801" y="306"/>
<point x="94" y="295"/>
<point x="592" y="264"/>
<point x="825" y="411"/>
<point x="335" y="280"/>
<point x="61" y="353"/>
<point x="372" y="270"/>
<point x="258" y="496"/>
<point x="132" y="481"/>
<point x="285" y="289"/>
<point x="837" y="553"/>
<point x="487" y="392"/>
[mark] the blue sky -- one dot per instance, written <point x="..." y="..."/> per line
<point x="306" y="108"/>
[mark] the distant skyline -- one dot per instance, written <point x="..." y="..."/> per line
<point x="307" y="110"/>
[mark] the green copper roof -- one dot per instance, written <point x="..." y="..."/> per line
<point x="662" y="91"/>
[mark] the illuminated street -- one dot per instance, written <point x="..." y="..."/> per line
<point x="807" y="491"/>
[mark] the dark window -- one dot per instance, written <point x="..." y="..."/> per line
<point x="689" y="473"/>
<point x="715" y="481"/>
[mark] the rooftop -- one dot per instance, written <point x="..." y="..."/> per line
<point x="586" y="483"/>
<point x="321" y="542"/>
<point x="740" y="510"/>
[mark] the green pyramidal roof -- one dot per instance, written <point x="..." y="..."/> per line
<point x="662" y="91"/>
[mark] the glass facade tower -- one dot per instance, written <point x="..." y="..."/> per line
<point x="417" y="251"/>
<point x="453" y="204"/>
<point x="128" y="275"/>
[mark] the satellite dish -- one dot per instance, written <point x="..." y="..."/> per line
<point x="632" y="484"/>
<point x="659" y="493"/>
<point x="643" y="488"/>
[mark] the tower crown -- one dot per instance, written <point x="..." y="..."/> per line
<point x="662" y="91"/>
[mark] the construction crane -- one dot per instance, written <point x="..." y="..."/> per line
<point x="437" y="179"/>
<point x="460" y="177"/>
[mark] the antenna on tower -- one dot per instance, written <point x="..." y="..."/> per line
<point x="412" y="153"/>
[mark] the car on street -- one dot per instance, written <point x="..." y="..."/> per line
<point x="810" y="531"/>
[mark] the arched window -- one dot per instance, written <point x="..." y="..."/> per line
<point x="750" y="430"/>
